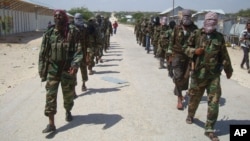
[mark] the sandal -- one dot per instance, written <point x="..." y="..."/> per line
<point x="189" y="120"/>
<point x="49" y="128"/>
<point x="212" y="136"/>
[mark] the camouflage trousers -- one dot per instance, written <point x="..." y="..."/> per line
<point x="67" y="83"/>
<point x="90" y="59"/>
<point x="107" y="42"/>
<point x="196" y="91"/>
<point x="83" y="68"/>
<point x="179" y="66"/>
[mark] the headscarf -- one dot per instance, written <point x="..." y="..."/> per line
<point x="211" y="21"/>
<point x="61" y="21"/>
<point x="172" y="24"/>
<point x="186" y="17"/>
<point x="78" y="19"/>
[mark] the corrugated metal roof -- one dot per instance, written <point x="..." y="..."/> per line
<point x="38" y="3"/>
<point x="168" y="10"/>
<point x="218" y="11"/>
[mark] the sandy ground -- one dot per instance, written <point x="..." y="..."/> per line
<point x="19" y="58"/>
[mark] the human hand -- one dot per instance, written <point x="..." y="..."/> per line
<point x="170" y="58"/>
<point x="72" y="70"/>
<point x="199" y="51"/>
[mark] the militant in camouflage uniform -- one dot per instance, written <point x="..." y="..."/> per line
<point x="59" y="58"/>
<point x="207" y="49"/>
<point x="163" y="43"/>
<point x="144" y="31"/>
<point x="167" y="36"/>
<point x="137" y="30"/>
<point x="156" y="34"/>
<point x="180" y="61"/>
<point x="92" y="34"/>
<point x="100" y="27"/>
<point x="108" y="32"/>
<point x="79" y="23"/>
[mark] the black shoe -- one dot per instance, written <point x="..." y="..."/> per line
<point x="68" y="116"/>
<point x="49" y="128"/>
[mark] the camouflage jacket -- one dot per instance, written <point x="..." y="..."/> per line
<point x="164" y="37"/>
<point x="59" y="52"/>
<point x="215" y="57"/>
<point x="156" y="33"/>
<point x="178" y="38"/>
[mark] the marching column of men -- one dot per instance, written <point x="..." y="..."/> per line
<point x="189" y="51"/>
<point x="66" y="47"/>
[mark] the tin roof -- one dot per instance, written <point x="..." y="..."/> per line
<point x="218" y="11"/>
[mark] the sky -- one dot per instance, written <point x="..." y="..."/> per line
<point x="228" y="6"/>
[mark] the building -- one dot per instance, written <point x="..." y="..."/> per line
<point x="23" y="15"/>
<point x="171" y="14"/>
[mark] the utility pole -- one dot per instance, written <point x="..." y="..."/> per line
<point x="173" y="9"/>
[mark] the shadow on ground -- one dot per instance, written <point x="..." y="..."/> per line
<point x="223" y="126"/>
<point x="21" y="38"/>
<point x="91" y="91"/>
<point x="108" y="120"/>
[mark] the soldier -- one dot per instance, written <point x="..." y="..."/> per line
<point x="100" y="38"/>
<point x="144" y="27"/>
<point x="136" y="30"/>
<point x="79" y="23"/>
<point x="207" y="49"/>
<point x="108" y="32"/>
<point x="163" y="43"/>
<point x="179" y="59"/>
<point x="59" y="58"/>
<point x="93" y="47"/>
<point x="167" y="55"/>
<point x="156" y="34"/>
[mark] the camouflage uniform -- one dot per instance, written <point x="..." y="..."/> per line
<point x="93" y="45"/>
<point x="143" y="29"/>
<point x="207" y="71"/>
<point x="57" y="55"/>
<point x="108" y="32"/>
<point x="180" y="60"/>
<point x="78" y="21"/>
<point x="136" y="30"/>
<point x="163" y="45"/>
<point x="156" y="35"/>
<point x="100" y="28"/>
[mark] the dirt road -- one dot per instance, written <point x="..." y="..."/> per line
<point x="128" y="99"/>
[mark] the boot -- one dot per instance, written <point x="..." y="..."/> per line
<point x="91" y="72"/>
<point x="51" y="126"/>
<point x="68" y="116"/>
<point x="84" y="88"/>
<point x="179" y="103"/>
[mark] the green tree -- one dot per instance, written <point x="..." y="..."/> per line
<point x="138" y="16"/>
<point x="244" y="13"/>
<point x="84" y="11"/>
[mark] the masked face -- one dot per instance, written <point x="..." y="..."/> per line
<point x="210" y="23"/>
<point x="60" y="18"/>
<point x="186" y="20"/>
<point x="78" y="19"/>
